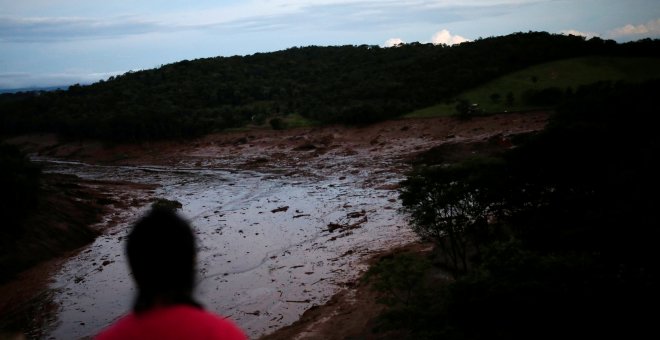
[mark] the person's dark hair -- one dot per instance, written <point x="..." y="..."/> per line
<point x="161" y="254"/>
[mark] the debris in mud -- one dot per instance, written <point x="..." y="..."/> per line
<point x="349" y="252"/>
<point x="299" y="301"/>
<point x="348" y="152"/>
<point x="163" y="203"/>
<point x="305" y="147"/>
<point x="240" y="141"/>
<point x="348" y="233"/>
<point x="259" y="160"/>
<point x="301" y="215"/>
<point x="356" y="214"/>
<point x="280" y="209"/>
<point x="346" y="226"/>
<point x="393" y="186"/>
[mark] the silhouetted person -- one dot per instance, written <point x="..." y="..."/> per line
<point x="161" y="254"/>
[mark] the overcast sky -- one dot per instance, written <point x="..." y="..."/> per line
<point x="60" y="42"/>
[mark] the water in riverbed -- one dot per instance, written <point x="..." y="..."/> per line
<point x="265" y="251"/>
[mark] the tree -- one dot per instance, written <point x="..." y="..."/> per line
<point x="277" y="123"/>
<point x="451" y="206"/>
<point x="510" y="99"/>
<point x="463" y="109"/>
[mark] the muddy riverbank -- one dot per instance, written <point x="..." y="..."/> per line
<point x="285" y="219"/>
<point x="71" y="213"/>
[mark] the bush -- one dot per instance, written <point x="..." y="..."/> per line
<point x="412" y="293"/>
<point x="575" y="205"/>
<point x="20" y="182"/>
<point x="277" y="124"/>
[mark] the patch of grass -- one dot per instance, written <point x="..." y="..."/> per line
<point x="440" y="110"/>
<point x="560" y="74"/>
<point x="295" y="120"/>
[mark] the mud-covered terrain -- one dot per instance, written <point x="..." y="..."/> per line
<point x="285" y="219"/>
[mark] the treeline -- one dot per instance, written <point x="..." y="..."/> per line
<point x="555" y="238"/>
<point x="345" y="84"/>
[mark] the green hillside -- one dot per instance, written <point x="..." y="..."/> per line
<point x="563" y="74"/>
<point x="335" y="84"/>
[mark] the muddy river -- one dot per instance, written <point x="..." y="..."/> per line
<point x="266" y="251"/>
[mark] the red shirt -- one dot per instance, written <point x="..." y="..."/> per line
<point x="173" y="322"/>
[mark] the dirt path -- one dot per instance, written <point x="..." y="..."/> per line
<point x="383" y="149"/>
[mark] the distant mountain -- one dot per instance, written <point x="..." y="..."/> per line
<point x="336" y="84"/>
<point x="35" y="89"/>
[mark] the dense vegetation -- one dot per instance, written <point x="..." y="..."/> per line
<point x="348" y="84"/>
<point x="553" y="238"/>
<point x="20" y="182"/>
<point x="543" y="85"/>
<point x="43" y="216"/>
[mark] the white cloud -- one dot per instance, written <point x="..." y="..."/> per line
<point x="446" y="38"/>
<point x="651" y="28"/>
<point x="393" y="42"/>
<point x="587" y="35"/>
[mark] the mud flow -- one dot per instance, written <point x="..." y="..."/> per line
<point x="270" y="245"/>
<point x="284" y="219"/>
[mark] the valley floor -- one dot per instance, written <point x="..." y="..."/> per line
<point x="380" y="152"/>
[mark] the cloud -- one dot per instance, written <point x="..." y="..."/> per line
<point x="587" y="35"/>
<point x="444" y="37"/>
<point x="393" y="42"/>
<point x="68" y="28"/>
<point x="29" y="22"/>
<point x="651" y="28"/>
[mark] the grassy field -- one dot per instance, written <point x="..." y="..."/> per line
<point x="296" y="120"/>
<point x="562" y="74"/>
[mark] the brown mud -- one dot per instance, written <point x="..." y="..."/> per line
<point x="262" y="148"/>
<point x="380" y="153"/>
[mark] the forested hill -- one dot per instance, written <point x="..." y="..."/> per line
<point x="347" y="84"/>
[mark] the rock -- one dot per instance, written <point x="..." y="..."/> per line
<point x="166" y="204"/>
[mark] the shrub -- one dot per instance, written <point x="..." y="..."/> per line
<point x="277" y="124"/>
